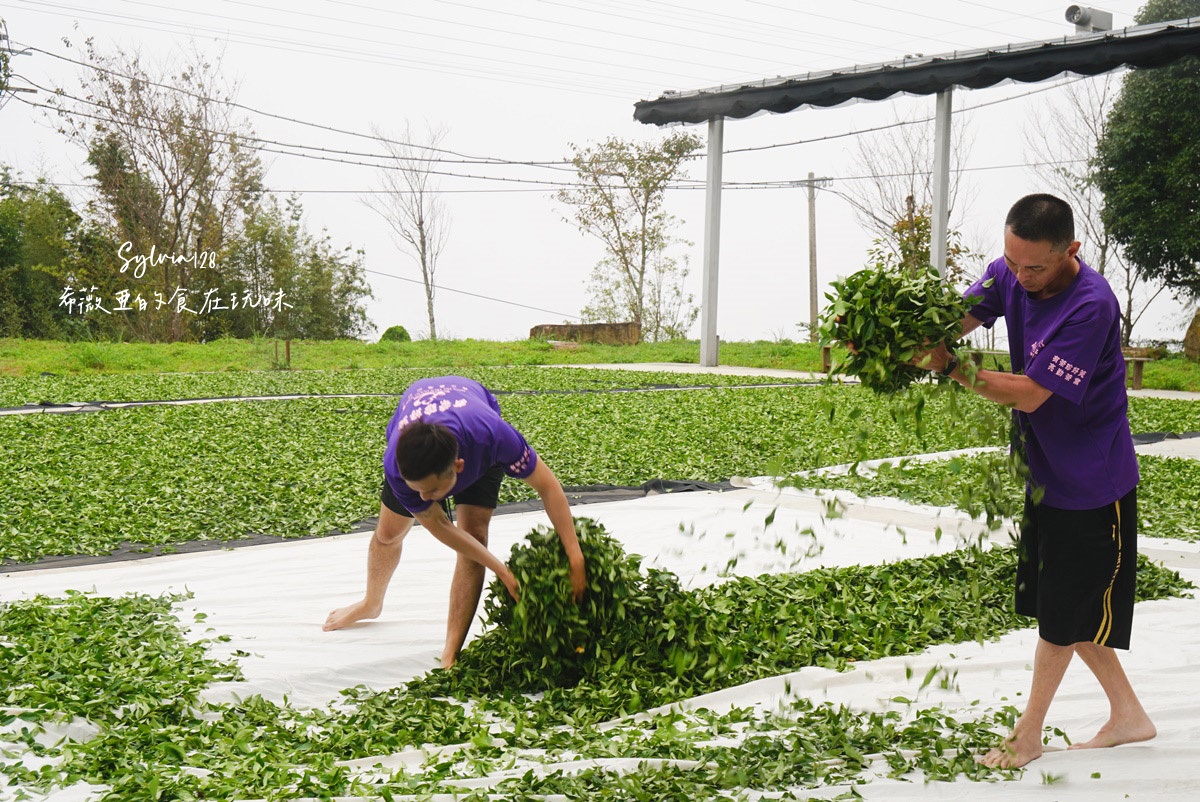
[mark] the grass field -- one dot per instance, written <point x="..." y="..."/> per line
<point x="23" y="358"/>
<point x="32" y="357"/>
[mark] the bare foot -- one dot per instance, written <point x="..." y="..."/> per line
<point x="345" y="616"/>
<point x="448" y="660"/>
<point x="1016" y="751"/>
<point x="1124" y="731"/>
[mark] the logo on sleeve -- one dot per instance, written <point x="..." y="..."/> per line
<point x="1071" y="374"/>
<point x="522" y="465"/>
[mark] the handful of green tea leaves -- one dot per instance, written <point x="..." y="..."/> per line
<point x="888" y="317"/>
<point x="548" y="640"/>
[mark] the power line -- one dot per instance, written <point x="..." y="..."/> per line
<point x="465" y="159"/>
<point x="473" y="294"/>
<point x="808" y="12"/>
<point x="544" y="20"/>
<point x="335" y="160"/>
<point x="249" y="138"/>
<point x="251" y="109"/>
<point x="345" y="53"/>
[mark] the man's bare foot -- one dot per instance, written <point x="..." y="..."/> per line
<point x="1015" y="752"/>
<point x="449" y="660"/>
<point x="345" y="616"/>
<point x="1124" y="731"/>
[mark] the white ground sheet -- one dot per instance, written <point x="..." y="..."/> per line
<point x="271" y="601"/>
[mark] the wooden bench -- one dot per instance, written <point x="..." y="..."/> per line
<point x="1135" y="360"/>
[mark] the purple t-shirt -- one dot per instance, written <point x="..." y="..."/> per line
<point x="1077" y="443"/>
<point x="472" y="415"/>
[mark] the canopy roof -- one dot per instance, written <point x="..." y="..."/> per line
<point x="1143" y="46"/>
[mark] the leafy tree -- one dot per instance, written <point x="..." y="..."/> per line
<point x="1148" y="164"/>
<point x="1073" y="126"/>
<point x="906" y="248"/>
<point x="47" y="251"/>
<point x="621" y="200"/>
<point x="171" y="166"/>
<point x="330" y="286"/>
<point x="411" y="206"/>
<point x="298" y="285"/>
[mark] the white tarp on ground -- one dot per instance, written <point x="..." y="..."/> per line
<point x="271" y="601"/>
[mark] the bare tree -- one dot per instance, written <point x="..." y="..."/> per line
<point x="1061" y="143"/>
<point x="411" y="206"/>
<point x="894" y="195"/>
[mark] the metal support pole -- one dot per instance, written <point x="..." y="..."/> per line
<point x="812" y="258"/>
<point x="941" y="181"/>
<point x="712" y="244"/>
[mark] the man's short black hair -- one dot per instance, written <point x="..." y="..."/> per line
<point x="424" y="450"/>
<point x="1042" y="218"/>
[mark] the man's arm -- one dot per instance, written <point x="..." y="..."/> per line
<point x="434" y="519"/>
<point x="558" y="511"/>
<point x="969" y="324"/>
<point x="1009" y="389"/>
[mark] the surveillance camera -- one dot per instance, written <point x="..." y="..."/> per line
<point x="1089" y="20"/>
<point x="1079" y="15"/>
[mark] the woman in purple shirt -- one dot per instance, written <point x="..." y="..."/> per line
<point x="1078" y="550"/>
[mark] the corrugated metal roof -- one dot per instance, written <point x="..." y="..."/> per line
<point x="1090" y="54"/>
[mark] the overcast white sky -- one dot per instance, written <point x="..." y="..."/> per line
<point x="519" y="80"/>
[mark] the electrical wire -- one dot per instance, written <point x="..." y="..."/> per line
<point x="357" y="55"/>
<point x="284" y="118"/>
<point x="230" y="138"/>
<point x="331" y="159"/>
<point x="473" y="294"/>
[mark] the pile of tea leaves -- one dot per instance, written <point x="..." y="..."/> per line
<point x="507" y="722"/>
<point x="639" y="640"/>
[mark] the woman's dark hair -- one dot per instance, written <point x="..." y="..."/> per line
<point x="1042" y="218"/>
<point x="425" y="449"/>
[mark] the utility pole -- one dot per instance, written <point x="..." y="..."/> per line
<point x="6" y="54"/>
<point x="812" y="183"/>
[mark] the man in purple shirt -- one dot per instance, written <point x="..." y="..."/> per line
<point x="1078" y="550"/>
<point x="447" y="439"/>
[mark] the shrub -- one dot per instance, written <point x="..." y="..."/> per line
<point x="396" y="334"/>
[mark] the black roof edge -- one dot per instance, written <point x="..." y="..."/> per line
<point x="1153" y="45"/>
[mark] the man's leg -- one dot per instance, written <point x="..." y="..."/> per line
<point x="467" y="585"/>
<point x="1025" y="742"/>
<point x="1127" y="722"/>
<point x="383" y="555"/>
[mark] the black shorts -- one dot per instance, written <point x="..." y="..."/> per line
<point x="485" y="492"/>
<point x="1076" y="572"/>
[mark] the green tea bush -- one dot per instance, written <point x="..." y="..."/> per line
<point x="888" y="317"/>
